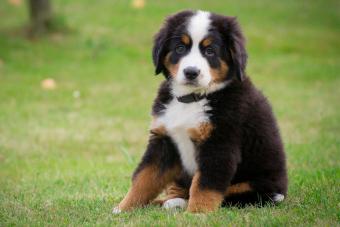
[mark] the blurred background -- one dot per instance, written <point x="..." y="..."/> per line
<point x="76" y="87"/>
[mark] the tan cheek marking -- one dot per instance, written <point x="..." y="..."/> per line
<point x="185" y="39"/>
<point x="238" y="188"/>
<point x="219" y="74"/>
<point x="206" y="42"/>
<point x="156" y="129"/>
<point x="146" y="186"/>
<point x="172" y="68"/>
<point x="159" y="131"/>
<point x="201" y="133"/>
<point x="203" y="200"/>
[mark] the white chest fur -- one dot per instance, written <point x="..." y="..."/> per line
<point x="177" y="119"/>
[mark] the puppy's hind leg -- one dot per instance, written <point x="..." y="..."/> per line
<point x="159" y="166"/>
<point x="146" y="186"/>
<point x="176" y="197"/>
<point x="242" y="194"/>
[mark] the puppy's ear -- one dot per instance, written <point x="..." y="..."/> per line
<point x="158" y="50"/>
<point x="163" y="37"/>
<point x="237" y="48"/>
<point x="235" y="42"/>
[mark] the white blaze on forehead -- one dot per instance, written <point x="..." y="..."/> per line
<point x="199" y="26"/>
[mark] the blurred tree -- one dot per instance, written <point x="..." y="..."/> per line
<point x="41" y="16"/>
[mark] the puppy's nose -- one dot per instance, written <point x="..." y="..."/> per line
<point x="191" y="72"/>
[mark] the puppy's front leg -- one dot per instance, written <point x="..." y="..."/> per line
<point x="203" y="199"/>
<point x="217" y="166"/>
<point x="159" y="166"/>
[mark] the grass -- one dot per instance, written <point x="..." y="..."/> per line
<point x="68" y="161"/>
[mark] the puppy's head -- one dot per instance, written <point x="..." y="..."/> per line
<point x="200" y="49"/>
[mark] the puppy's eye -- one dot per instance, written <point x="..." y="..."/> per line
<point x="180" y="49"/>
<point x="209" y="52"/>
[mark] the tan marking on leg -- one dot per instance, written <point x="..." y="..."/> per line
<point x="203" y="200"/>
<point x="156" y="128"/>
<point x="185" y="39"/>
<point x="206" y="42"/>
<point x="173" y="191"/>
<point x="201" y="133"/>
<point x="146" y="186"/>
<point x="238" y="188"/>
<point x="158" y="202"/>
<point x="219" y="74"/>
<point x="172" y="68"/>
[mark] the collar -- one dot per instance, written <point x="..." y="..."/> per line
<point x="192" y="97"/>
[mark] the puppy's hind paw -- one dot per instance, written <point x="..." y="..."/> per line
<point x="277" y="198"/>
<point x="175" y="203"/>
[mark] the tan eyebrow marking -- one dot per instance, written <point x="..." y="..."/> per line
<point x="185" y="39"/>
<point x="206" y="42"/>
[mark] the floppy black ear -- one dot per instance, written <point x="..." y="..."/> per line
<point x="237" y="48"/>
<point x="158" y="50"/>
<point x="163" y="37"/>
<point x="235" y="42"/>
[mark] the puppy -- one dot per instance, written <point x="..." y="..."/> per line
<point x="214" y="139"/>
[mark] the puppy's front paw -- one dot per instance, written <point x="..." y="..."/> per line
<point x="175" y="203"/>
<point x="203" y="200"/>
<point x="201" y="208"/>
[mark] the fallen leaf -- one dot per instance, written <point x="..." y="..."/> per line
<point x="2" y="158"/>
<point x="110" y="158"/>
<point x="15" y="2"/>
<point x="57" y="37"/>
<point x="76" y="94"/>
<point x="48" y="84"/>
<point x="138" y="4"/>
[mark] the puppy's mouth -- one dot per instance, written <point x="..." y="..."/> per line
<point x="191" y="83"/>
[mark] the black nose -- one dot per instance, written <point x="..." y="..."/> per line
<point x="191" y="72"/>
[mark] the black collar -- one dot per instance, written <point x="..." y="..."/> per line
<point x="192" y="97"/>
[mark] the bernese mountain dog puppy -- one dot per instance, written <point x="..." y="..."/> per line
<point x="214" y="139"/>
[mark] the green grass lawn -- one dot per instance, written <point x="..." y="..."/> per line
<point x="67" y="161"/>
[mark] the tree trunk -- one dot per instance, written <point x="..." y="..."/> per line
<point x="41" y="16"/>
